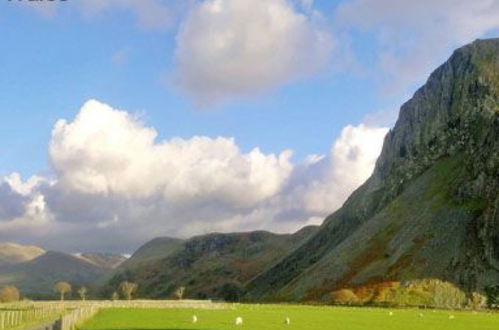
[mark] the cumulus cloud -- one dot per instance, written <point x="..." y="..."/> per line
<point x="349" y="164"/>
<point x="109" y="152"/>
<point x="115" y="185"/>
<point x="232" y="48"/>
<point x="413" y="37"/>
<point x="12" y="204"/>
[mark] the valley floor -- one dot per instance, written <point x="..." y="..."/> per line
<point x="270" y="317"/>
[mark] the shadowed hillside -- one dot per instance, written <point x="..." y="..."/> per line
<point x="152" y="251"/>
<point x="209" y="266"/>
<point x="36" y="278"/>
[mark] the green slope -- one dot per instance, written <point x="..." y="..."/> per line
<point x="152" y="251"/>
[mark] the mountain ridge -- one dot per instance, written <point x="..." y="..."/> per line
<point x="215" y="265"/>
<point x="12" y="253"/>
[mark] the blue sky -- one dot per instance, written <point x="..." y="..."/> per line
<point x="52" y="65"/>
<point x="122" y="120"/>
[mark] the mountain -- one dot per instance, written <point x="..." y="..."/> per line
<point x="106" y="261"/>
<point x="210" y="266"/>
<point x="38" y="276"/>
<point x="430" y="208"/>
<point x="152" y="251"/>
<point x="11" y="254"/>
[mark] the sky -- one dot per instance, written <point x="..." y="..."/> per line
<point x="124" y="120"/>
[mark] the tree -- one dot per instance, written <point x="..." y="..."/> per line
<point x="82" y="292"/>
<point x="179" y="293"/>
<point x="344" y="297"/>
<point x="62" y="288"/>
<point x="128" y="289"/>
<point x="9" y="294"/>
<point x="115" y="296"/>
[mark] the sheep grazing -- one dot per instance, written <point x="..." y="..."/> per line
<point x="451" y="317"/>
<point x="420" y="314"/>
<point x="194" y="319"/>
<point x="390" y="313"/>
<point x="239" y="320"/>
<point x="287" y="321"/>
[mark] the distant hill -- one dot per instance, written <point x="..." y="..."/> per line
<point x="107" y="261"/>
<point x="210" y="266"/>
<point x="11" y="254"/>
<point x="152" y="251"/>
<point x="36" y="278"/>
<point x="431" y="207"/>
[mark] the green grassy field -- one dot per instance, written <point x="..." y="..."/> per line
<point x="263" y="317"/>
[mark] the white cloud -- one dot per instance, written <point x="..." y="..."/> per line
<point x="350" y="163"/>
<point x="413" y="37"/>
<point x="115" y="185"/>
<point x="233" y="48"/>
<point x="109" y="152"/>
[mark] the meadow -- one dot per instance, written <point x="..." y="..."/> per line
<point x="270" y="317"/>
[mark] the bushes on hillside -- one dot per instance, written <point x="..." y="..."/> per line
<point x="344" y="297"/>
<point x="492" y="293"/>
<point x="477" y="301"/>
<point x="427" y="292"/>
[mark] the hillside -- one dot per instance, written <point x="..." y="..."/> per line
<point x="213" y="265"/>
<point x="106" y="261"/>
<point x="37" y="277"/>
<point x="11" y="254"/>
<point x="431" y="207"/>
<point x="154" y="250"/>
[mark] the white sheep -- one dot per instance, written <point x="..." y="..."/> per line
<point x="194" y="319"/>
<point x="287" y="321"/>
<point x="420" y="314"/>
<point x="239" y="320"/>
<point x="451" y="317"/>
<point x="390" y="313"/>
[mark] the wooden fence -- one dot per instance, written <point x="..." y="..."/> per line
<point x="12" y="319"/>
<point x="77" y="316"/>
<point x="67" y="314"/>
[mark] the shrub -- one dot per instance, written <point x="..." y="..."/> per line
<point x="492" y="293"/>
<point x="344" y="297"/>
<point x="476" y="301"/>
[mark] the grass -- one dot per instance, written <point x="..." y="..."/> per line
<point x="271" y="317"/>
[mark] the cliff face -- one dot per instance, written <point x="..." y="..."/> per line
<point x="430" y="209"/>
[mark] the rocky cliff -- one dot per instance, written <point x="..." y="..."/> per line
<point x="431" y="207"/>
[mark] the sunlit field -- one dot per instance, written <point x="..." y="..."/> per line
<point x="261" y="317"/>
